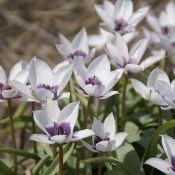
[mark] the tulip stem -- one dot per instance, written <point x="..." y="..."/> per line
<point x="100" y="169"/>
<point x="160" y="118"/>
<point x="87" y="111"/>
<point x="123" y="101"/>
<point x="34" y="129"/>
<point x="78" y="162"/>
<point x="54" y="150"/>
<point x="61" y="166"/>
<point x="12" y="132"/>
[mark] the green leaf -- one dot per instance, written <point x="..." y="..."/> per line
<point x="5" y="170"/>
<point x="19" y="153"/>
<point x="128" y="156"/>
<point x="40" y="165"/>
<point x="152" y="145"/>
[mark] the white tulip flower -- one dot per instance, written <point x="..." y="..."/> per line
<point x="150" y="91"/>
<point x="19" y="72"/>
<point x="130" y="61"/>
<point x="167" y="91"/>
<point x="167" y="167"/>
<point x="97" y="79"/>
<point x="78" y="49"/>
<point x="105" y="138"/>
<point x="45" y="83"/>
<point x="165" y="23"/>
<point x="120" y="17"/>
<point x="58" y="125"/>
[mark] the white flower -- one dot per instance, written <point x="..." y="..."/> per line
<point x="154" y="42"/>
<point x="45" y="83"/>
<point x="168" y="42"/>
<point x="19" y="72"/>
<point x="120" y="17"/>
<point x="167" y="167"/>
<point x="104" y="37"/>
<point x="57" y="125"/>
<point x="165" y="27"/>
<point x="78" y="49"/>
<point x="166" y="22"/>
<point x="97" y="79"/>
<point x="130" y="61"/>
<point x="105" y="138"/>
<point x="167" y="91"/>
<point x="150" y="92"/>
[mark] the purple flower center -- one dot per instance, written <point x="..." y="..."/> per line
<point x="8" y="87"/>
<point x="120" y="24"/>
<point x="53" y="89"/>
<point x="59" y="129"/>
<point x="173" y="163"/>
<point x="93" y="81"/>
<point x="165" y="30"/>
<point x="98" y="139"/>
<point x="77" y="53"/>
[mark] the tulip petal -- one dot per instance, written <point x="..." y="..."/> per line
<point x="80" y="42"/>
<point x="60" y="139"/>
<point x="41" y="138"/>
<point x="9" y="93"/>
<point x="39" y="73"/>
<point x="3" y="77"/>
<point x="98" y="128"/>
<point x="24" y="89"/>
<point x="89" y="147"/>
<point x="123" y="9"/>
<point x="52" y="109"/>
<point x="168" y="144"/>
<point x="159" y="164"/>
<point x="138" y="16"/>
<point x="69" y="114"/>
<point x="154" y="23"/>
<point x="140" y="88"/>
<point x="151" y="60"/>
<point x="132" y="68"/>
<point x="110" y="126"/>
<point x="42" y="94"/>
<point x="16" y="69"/>
<point x="103" y="15"/>
<point x="138" y="50"/>
<point x="157" y="74"/>
<point x="120" y="138"/>
<point x="81" y="134"/>
<point x="108" y="94"/>
<point x="99" y="67"/>
<point x="42" y="120"/>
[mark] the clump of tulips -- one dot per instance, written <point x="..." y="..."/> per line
<point x="93" y="113"/>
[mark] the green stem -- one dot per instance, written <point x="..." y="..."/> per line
<point x="160" y="117"/>
<point x="12" y="132"/>
<point x="78" y="162"/>
<point x="123" y="100"/>
<point x="61" y="166"/>
<point x="34" y="129"/>
<point x="100" y="169"/>
<point x="54" y="151"/>
<point x="87" y="112"/>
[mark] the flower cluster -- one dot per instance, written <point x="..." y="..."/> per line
<point x="97" y="77"/>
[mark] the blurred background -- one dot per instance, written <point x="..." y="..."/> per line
<point x="30" y="28"/>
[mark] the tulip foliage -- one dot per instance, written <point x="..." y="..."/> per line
<point x="104" y="109"/>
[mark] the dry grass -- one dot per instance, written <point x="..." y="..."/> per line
<point x="31" y="27"/>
